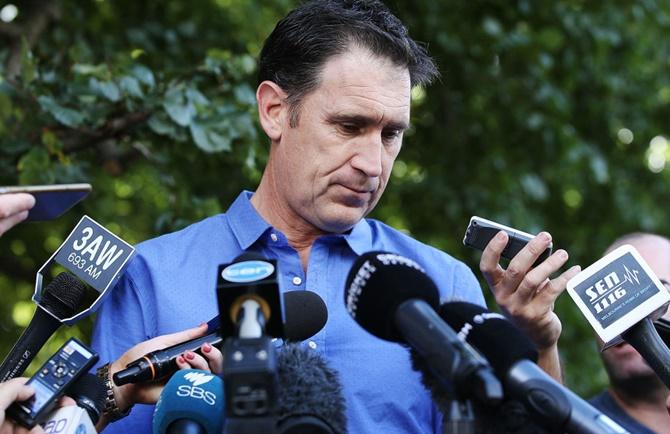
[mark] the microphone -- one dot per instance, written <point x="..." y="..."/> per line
<point x="644" y="337"/>
<point x="306" y="314"/>
<point x="619" y="295"/>
<point x="310" y="394"/>
<point x="62" y="298"/>
<point x="512" y="355"/>
<point x="192" y="402"/>
<point x="393" y="298"/>
<point x="89" y="392"/>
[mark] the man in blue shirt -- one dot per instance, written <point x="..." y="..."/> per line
<point x="334" y="100"/>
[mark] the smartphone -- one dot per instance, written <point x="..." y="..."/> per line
<point x="480" y="231"/>
<point x="51" y="381"/>
<point x="51" y="201"/>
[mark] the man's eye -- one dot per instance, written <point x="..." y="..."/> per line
<point x="391" y="134"/>
<point x="349" y="128"/>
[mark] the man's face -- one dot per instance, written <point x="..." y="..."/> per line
<point x="622" y="362"/>
<point x="332" y="168"/>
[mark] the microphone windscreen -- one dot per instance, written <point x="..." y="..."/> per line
<point x="306" y="314"/>
<point x="378" y="283"/>
<point x="191" y="395"/>
<point x="310" y="393"/>
<point x="90" y="393"/>
<point x="63" y="295"/>
<point x="493" y="335"/>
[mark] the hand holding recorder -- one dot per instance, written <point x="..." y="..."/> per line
<point x="10" y="392"/>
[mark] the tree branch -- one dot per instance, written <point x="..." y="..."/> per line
<point x="113" y="128"/>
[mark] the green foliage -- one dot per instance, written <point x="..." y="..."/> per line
<point x="543" y="119"/>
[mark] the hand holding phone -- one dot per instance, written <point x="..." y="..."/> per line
<point x="14" y="209"/>
<point x="51" y="201"/>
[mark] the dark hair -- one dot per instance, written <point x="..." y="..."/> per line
<point x="301" y="43"/>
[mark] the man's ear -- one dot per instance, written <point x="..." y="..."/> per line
<point x="271" y="109"/>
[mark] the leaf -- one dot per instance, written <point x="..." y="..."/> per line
<point x="98" y="71"/>
<point x="244" y="94"/>
<point x="108" y="89"/>
<point x="207" y="139"/>
<point x="179" y="108"/>
<point x="64" y="115"/>
<point x="159" y="124"/>
<point x="144" y="74"/>
<point x="131" y="86"/>
<point x="34" y="167"/>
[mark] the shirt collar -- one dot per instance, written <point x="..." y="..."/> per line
<point x="245" y="222"/>
<point x="359" y="238"/>
<point x="248" y="226"/>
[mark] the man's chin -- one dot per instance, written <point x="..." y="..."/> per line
<point x="341" y="220"/>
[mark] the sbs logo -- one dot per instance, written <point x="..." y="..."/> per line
<point x="198" y="378"/>
<point x="247" y="271"/>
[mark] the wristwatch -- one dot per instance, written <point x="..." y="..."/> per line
<point x="111" y="410"/>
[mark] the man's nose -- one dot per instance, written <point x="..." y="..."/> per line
<point x="368" y="157"/>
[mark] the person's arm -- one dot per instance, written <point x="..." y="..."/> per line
<point x="527" y="295"/>
<point x="14" y="209"/>
<point x="148" y="393"/>
<point x="11" y="391"/>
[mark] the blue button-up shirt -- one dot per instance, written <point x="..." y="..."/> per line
<point x="171" y="285"/>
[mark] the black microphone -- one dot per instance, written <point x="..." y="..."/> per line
<point x="306" y="314"/>
<point x="310" y="394"/>
<point x="644" y="337"/>
<point x="393" y="298"/>
<point x="62" y="298"/>
<point x="512" y="355"/>
<point x="89" y="392"/>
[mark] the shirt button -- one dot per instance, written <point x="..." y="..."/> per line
<point x="297" y="280"/>
<point x="273" y="236"/>
<point x="312" y="345"/>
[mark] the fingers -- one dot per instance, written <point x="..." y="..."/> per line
<point x="547" y="294"/>
<point x="489" y="263"/>
<point x="214" y="357"/>
<point x="66" y="401"/>
<point x="11" y="221"/>
<point x="524" y="260"/>
<point x="182" y="336"/>
<point x="14" y="390"/>
<point x="11" y="204"/>
<point x="538" y="278"/>
<point x="211" y="360"/>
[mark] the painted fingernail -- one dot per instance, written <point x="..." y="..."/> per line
<point x="180" y="359"/>
<point x="190" y="355"/>
<point x="206" y="348"/>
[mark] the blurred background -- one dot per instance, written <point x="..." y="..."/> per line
<point x="549" y="115"/>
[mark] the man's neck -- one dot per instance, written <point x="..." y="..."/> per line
<point x="650" y="411"/>
<point x="299" y="233"/>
